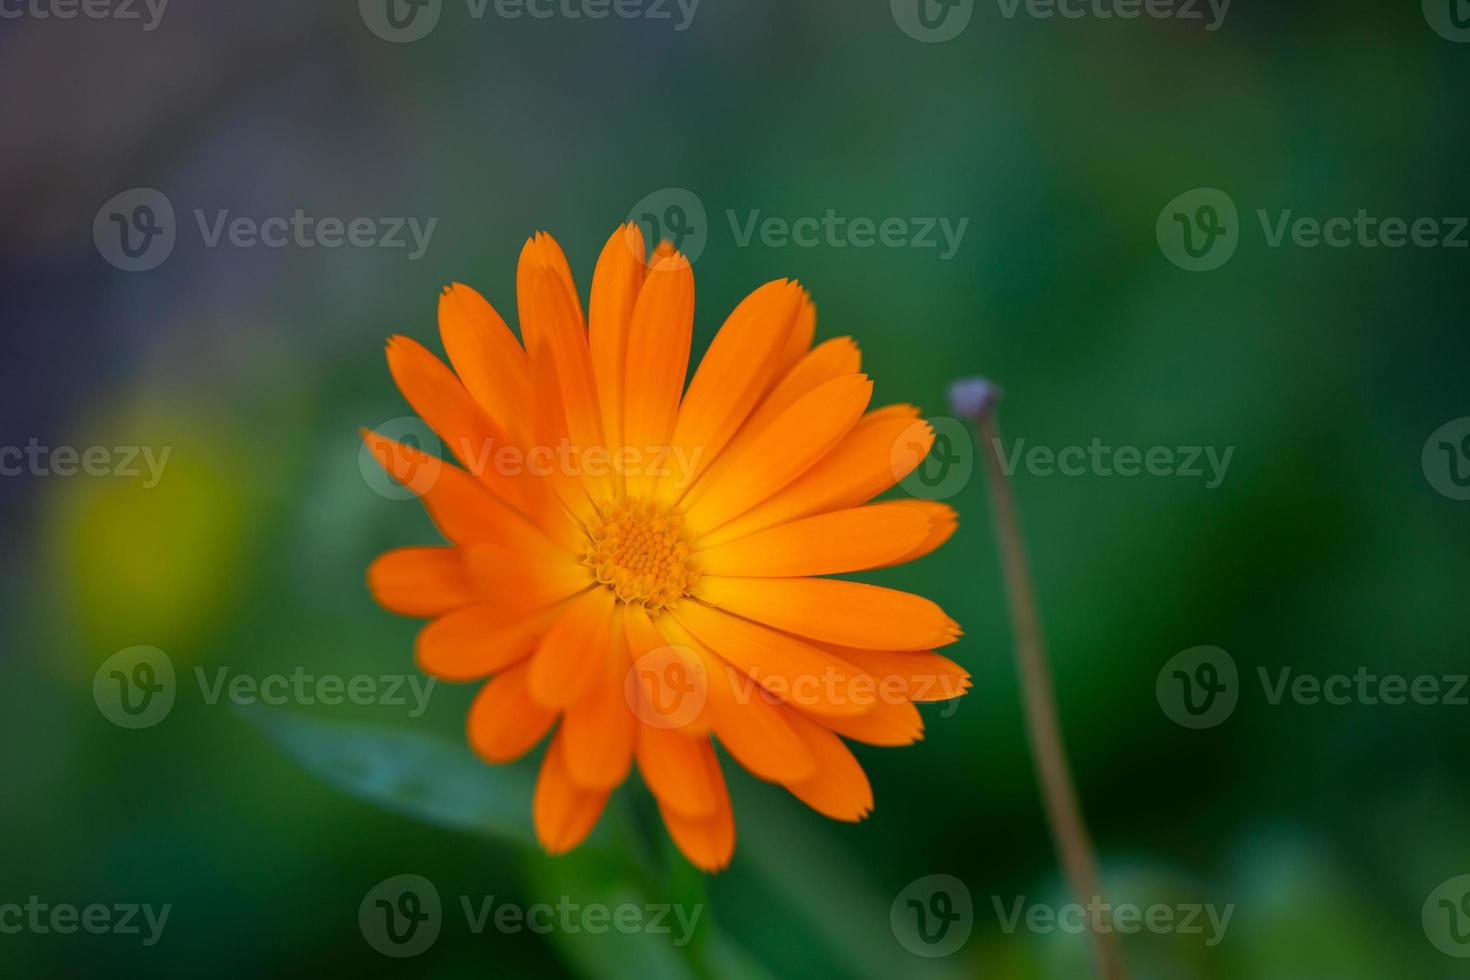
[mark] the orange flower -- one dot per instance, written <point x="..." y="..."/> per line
<point x="643" y="563"/>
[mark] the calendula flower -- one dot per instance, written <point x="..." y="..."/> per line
<point x="640" y="566"/>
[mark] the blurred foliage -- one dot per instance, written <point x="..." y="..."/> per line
<point x="1325" y="549"/>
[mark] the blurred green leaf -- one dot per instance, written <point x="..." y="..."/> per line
<point x="417" y="775"/>
<point x="840" y="902"/>
<point x="728" y="960"/>
<point x="605" y="878"/>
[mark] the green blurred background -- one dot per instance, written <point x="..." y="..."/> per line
<point x="1325" y="548"/>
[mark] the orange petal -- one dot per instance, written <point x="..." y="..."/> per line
<point x="666" y="682"/>
<point x="851" y="614"/>
<point x="708" y="842"/>
<point x="564" y="812"/>
<point x="747" y="721"/>
<point x="918" y="675"/>
<point x="943" y="522"/>
<point x="547" y="465"/>
<point x="567" y="346"/>
<point x="421" y="581"/>
<point x="681" y="770"/>
<point x="736" y="371"/>
<point x="854" y="472"/>
<point x="615" y="285"/>
<point x="519" y="581"/>
<point x="504" y="723"/>
<point x="841" y="541"/>
<point x="658" y="358"/>
<point x="485" y="355"/>
<point x="439" y="398"/>
<point x="839" y="789"/>
<point x="799" y="340"/>
<point x="461" y="507"/>
<point x="600" y="729"/>
<point x="829" y="360"/>
<point x="540" y="252"/>
<point x="833" y="359"/>
<point x="419" y="472"/>
<point x="789" y="669"/>
<point x="789" y="446"/>
<point x="475" y="641"/>
<point x="574" y="651"/>
<point x="886" y="723"/>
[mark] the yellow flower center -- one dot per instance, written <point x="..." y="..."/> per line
<point x="641" y="551"/>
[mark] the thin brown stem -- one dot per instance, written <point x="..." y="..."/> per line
<point x="1064" y="813"/>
